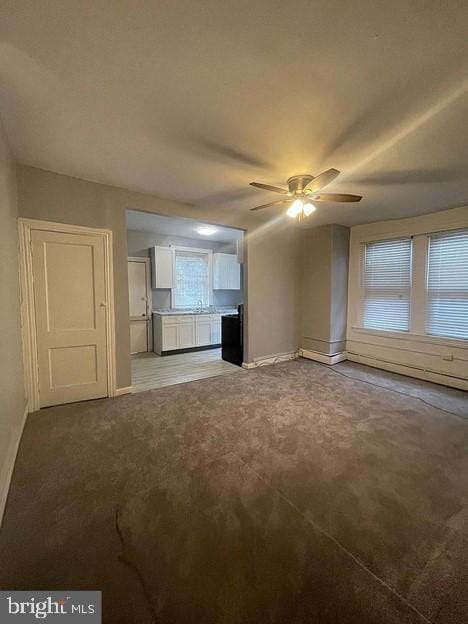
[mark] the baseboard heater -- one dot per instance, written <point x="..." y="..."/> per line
<point x="418" y="371"/>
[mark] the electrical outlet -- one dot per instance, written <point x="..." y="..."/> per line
<point x="448" y="357"/>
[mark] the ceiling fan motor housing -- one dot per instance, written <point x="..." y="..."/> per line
<point x="297" y="183"/>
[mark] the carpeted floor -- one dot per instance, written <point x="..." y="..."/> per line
<point x="289" y="494"/>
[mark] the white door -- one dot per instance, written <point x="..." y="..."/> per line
<point x="138" y="336"/>
<point x="138" y="293"/>
<point x="70" y="300"/>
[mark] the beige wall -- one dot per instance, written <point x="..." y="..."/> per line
<point x="324" y="288"/>
<point x="272" y="292"/>
<point x="315" y="288"/>
<point x="12" y="396"/>
<point x="272" y="320"/>
<point x="339" y="287"/>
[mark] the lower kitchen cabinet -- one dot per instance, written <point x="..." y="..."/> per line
<point x="203" y="330"/>
<point x="185" y="331"/>
<point x="186" y="336"/>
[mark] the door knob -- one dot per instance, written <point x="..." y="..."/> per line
<point x="103" y="304"/>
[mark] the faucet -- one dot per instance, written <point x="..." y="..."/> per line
<point x="200" y="305"/>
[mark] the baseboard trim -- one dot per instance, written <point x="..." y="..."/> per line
<point x="410" y="371"/>
<point x="121" y="391"/>
<point x="9" y="465"/>
<point x="323" y="357"/>
<point x="271" y="359"/>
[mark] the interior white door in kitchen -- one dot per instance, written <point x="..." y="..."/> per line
<point x="139" y="293"/>
<point x="70" y="315"/>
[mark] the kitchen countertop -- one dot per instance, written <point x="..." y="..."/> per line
<point x="222" y="311"/>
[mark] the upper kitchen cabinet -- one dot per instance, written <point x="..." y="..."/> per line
<point x="226" y="272"/>
<point x="162" y="264"/>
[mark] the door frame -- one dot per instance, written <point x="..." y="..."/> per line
<point x="149" y="302"/>
<point x="28" y="306"/>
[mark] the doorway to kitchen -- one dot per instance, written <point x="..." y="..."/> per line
<point x="186" y="299"/>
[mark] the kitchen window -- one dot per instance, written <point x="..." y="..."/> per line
<point x="193" y="279"/>
<point x="387" y="285"/>
<point x="447" y="285"/>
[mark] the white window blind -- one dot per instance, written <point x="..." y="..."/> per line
<point x="387" y="285"/>
<point x="192" y="280"/>
<point x="447" y="285"/>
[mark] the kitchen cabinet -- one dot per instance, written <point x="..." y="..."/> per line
<point x="203" y="330"/>
<point x="185" y="331"/>
<point x="226" y="272"/>
<point x="186" y="335"/>
<point x="162" y="264"/>
<point x="208" y="329"/>
<point x="216" y="329"/>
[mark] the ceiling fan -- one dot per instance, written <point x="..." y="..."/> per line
<point x="302" y="191"/>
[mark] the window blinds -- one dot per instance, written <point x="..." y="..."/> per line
<point x="387" y="285"/>
<point x="447" y="285"/>
<point x="192" y="280"/>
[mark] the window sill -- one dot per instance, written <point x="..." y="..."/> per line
<point x="411" y="337"/>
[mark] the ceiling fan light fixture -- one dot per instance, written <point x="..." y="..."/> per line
<point x="309" y="209"/>
<point x="302" y="189"/>
<point x="295" y="209"/>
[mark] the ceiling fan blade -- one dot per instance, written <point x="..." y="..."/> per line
<point x="322" y="180"/>
<point x="275" y="203"/>
<point x="335" y="197"/>
<point x="268" y="187"/>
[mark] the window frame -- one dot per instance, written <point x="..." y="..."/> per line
<point x="427" y="290"/>
<point x="362" y="287"/>
<point x="418" y="293"/>
<point x="198" y="251"/>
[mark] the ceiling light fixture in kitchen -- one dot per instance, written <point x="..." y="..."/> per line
<point x="206" y="230"/>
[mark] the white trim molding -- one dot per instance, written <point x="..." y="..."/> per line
<point x="28" y="324"/>
<point x="9" y="462"/>
<point x="271" y="359"/>
<point x="122" y="391"/>
<point x="323" y="357"/>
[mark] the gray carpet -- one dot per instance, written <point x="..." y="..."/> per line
<point x="288" y="494"/>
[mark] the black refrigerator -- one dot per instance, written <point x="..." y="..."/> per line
<point x="232" y="340"/>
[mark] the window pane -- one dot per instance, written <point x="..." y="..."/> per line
<point x="390" y="312"/>
<point x="192" y="280"/>
<point x="447" y="285"/>
<point x="387" y="285"/>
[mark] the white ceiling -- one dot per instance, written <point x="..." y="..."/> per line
<point x="193" y="100"/>
<point x="178" y="226"/>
